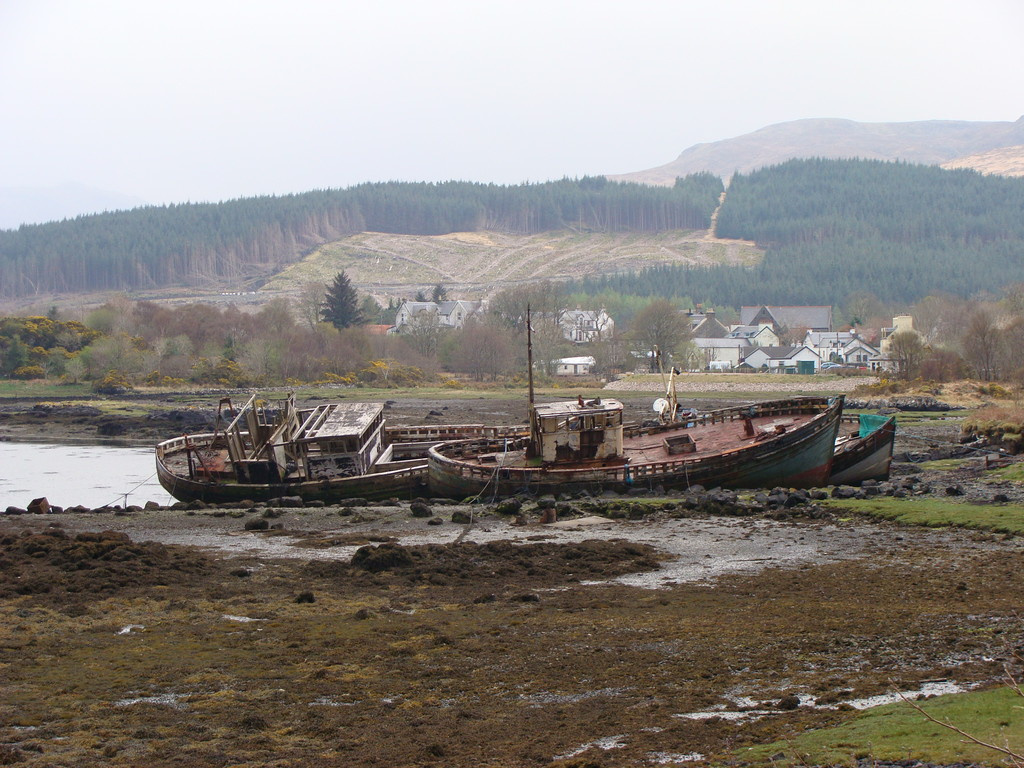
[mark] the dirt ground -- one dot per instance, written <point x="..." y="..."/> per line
<point x="344" y="636"/>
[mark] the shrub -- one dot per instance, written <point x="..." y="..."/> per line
<point x="29" y="372"/>
<point x="113" y="383"/>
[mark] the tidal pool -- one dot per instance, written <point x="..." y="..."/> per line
<point x="67" y="475"/>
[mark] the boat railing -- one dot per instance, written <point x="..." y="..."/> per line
<point x="453" y="455"/>
<point x="451" y="459"/>
<point x="440" y="432"/>
<point x="768" y="409"/>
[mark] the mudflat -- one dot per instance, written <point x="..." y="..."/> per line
<point x="366" y="636"/>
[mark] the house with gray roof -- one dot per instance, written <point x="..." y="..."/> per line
<point x="800" y="359"/>
<point x="782" y="319"/>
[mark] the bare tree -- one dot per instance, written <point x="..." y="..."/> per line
<point x="907" y="350"/>
<point x="660" y="324"/>
<point x="310" y="302"/>
<point x="423" y="332"/>
<point x="981" y="343"/>
<point x="938" y="318"/>
<point x="483" y="350"/>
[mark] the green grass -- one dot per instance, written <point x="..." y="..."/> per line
<point x="42" y="388"/>
<point x="1014" y="472"/>
<point x="899" y="732"/>
<point x="945" y="465"/>
<point x="938" y="513"/>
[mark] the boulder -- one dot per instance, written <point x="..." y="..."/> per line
<point x="39" y="506"/>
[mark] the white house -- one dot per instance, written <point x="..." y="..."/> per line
<point x="719" y="353"/>
<point x="760" y="335"/>
<point x="448" y="314"/>
<point x="843" y="347"/>
<point x="574" y="366"/>
<point x="581" y="326"/>
<point x="801" y="358"/>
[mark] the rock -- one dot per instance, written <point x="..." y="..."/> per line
<point x="509" y="506"/>
<point x="844" y="492"/>
<point x="954" y="490"/>
<point x="435" y="521"/>
<point x="289" y="502"/>
<point x="1000" y="498"/>
<point x="15" y="511"/>
<point x="788" y="702"/>
<point x="461" y="518"/>
<point x="39" y="506"/>
<point x="259" y="524"/>
<point x="420" y="509"/>
<point x="381" y="558"/>
<point x="151" y="506"/>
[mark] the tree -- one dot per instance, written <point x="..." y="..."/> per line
<point x="311" y="302"/>
<point x="439" y="294"/>
<point x="907" y="351"/>
<point x="982" y="340"/>
<point x="660" y="324"/>
<point x="483" y="350"/>
<point x="341" y="304"/>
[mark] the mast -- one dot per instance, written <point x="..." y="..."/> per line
<point x="529" y="354"/>
<point x="532" y="448"/>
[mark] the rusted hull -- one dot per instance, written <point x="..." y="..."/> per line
<point x="801" y="458"/>
<point x="407" y="482"/>
<point x="865" y="458"/>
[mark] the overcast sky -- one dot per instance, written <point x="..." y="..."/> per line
<point x="208" y="100"/>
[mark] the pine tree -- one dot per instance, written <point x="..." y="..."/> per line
<point x="341" y="304"/>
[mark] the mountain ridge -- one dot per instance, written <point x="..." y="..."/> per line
<point x="928" y="142"/>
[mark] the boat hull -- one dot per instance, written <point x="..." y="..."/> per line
<point x="865" y="458"/>
<point x="405" y="482"/>
<point x="801" y="458"/>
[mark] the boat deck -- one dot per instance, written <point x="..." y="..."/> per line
<point x="708" y="439"/>
<point x="651" y="446"/>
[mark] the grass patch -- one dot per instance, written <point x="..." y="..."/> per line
<point x="42" y="388"/>
<point x="938" y="513"/>
<point x="944" y="465"/>
<point x="898" y="732"/>
<point x="1014" y="472"/>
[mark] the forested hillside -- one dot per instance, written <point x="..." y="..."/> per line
<point x="200" y="244"/>
<point x="835" y="227"/>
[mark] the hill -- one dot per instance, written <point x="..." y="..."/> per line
<point x="1005" y="161"/>
<point x="242" y="242"/>
<point x="833" y="228"/>
<point x="35" y="205"/>
<point x="929" y="142"/>
<point x="475" y="264"/>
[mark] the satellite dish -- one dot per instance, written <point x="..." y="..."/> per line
<point x="660" y="405"/>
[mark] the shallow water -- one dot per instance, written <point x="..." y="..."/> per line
<point x="90" y="475"/>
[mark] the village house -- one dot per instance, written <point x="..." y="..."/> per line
<point x="582" y="326"/>
<point x="574" y="366"/>
<point x="845" y="347"/>
<point x="704" y="325"/>
<point x="783" y="319"/>
<point x="448" y="314"/>
<point x="720" y="354"/>
<point x="754" y="335"/>
<point x="788" y="359"/>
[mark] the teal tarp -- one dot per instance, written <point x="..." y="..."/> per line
<point x="869" y="422"/>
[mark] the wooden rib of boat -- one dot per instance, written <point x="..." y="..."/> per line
<point x="583" y="446"/>
<point x="331" y="452"/>
<point x="863" y="449"/>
